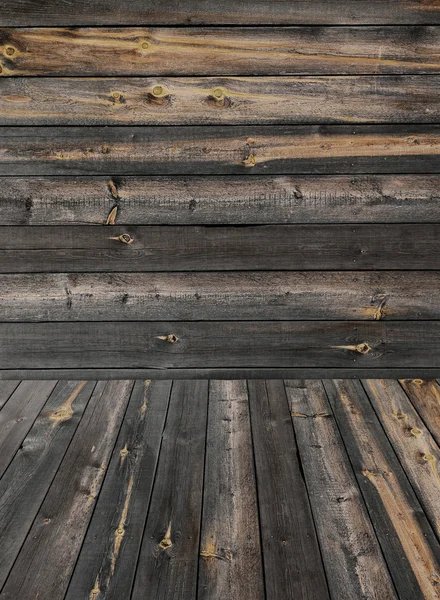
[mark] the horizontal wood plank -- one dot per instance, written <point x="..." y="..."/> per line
<point x="180" y="150"/>
<point x="97" y="12"/>
<point x="219" y="100"/>
<point x="195" y="248"/>
<point x="219" y="200"/>
<point x="352" y="295"/>
<point x="219" y="51"/>
<point x="228" y="344"/>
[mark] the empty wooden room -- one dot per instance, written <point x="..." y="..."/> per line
<point x="220" y="300"/>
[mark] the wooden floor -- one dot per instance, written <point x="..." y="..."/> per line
<point x="220" y="490"/>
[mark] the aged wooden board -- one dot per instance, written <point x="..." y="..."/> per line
<point x="96" y="12"/>
<point x="180" y="150"/>
<point x="219" y="51"/>
<point x="244" y="199"/>
<point x="6" y="390"/>
<point x="227" y="344"/>
<point x="219" y="100"/>
<point x="425" y="397"/>
<point x="195" y="248"/>
<point x="351" y="295"/>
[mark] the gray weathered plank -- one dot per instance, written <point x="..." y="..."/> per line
<point x="216" y="100"/>
<point x="219" y="51"/>
<point x="48" y="555"/>
<point x="167" y="566"/>
<point x="223" y="150"/>
<point x="304" y="295"/>
<point x="230" y="556"/>
<point x="107" y="562"/>
<point x="220" y="200"/>
<point x="291" y="557"/>
<point x="26" y="481"/>
<point x="425" y="397"/>
<point x="6" y="390"/>
<point x="354" y="564"/>
<point x="198" y="248"/>
<point x="409" y="544"/>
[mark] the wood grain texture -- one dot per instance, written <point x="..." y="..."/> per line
<point x="107" y="562"/>
<point x="219" y="51"/>
<point x="261" y="295"/>
<point x="167" y="566"/>
<point x="230" y="554"/>
<point x="353" y="560"/>
<point x="62" y="520"/>
<point x="215" y="149"/>
<point x="26" y="481"/>
<point x="292" y="562"/>
<point x="6" y="390"/>
<point x="417" y="450"/>
<point x="208" y="12"/>
<point x="227" y="344"/>
<point x="220" y="200"/>
<point x="198" y="248"/>
<point x="425" y="397"/>
<point x="409" y="545"/>
<point x="243" y="100"/>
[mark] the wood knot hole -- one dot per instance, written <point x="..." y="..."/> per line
<point x="9" y="51"/>
<point x="363" y="348"/>
<point x="170" y="338"/>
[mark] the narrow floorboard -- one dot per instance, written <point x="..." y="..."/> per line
<point x="209" y="490"/>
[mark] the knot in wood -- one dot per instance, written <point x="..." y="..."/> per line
<point x="158" y="91"/>
<point x="218" y="93"/>
<point x="9" y="51"/>
<point x="363" y="348"/>
<point x="125" y="238"/>
<point x="170" y="338"/>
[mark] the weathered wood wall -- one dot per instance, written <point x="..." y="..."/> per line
<point x="287" y="223"/>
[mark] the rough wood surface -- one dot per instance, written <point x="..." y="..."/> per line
<point x="107" y="562"/>
<point x="409" y="545"/>
<point x="6" y="390"/>
<point x="198" y="248"/>
<point x="220" y="200"/>
<point x="425" y="397"/>
<point x="26" y="481"/>
<point x="219" y="51"/>
<point x="354" y="564"/>
<point x="208" y="12"/>
<point x="230" y="555"/>
<point x="215" y="100"/>
<point x="167" y="566"/>
<point x="222" y="150"/>
<point x="63" y="518"/>
<point x="305" y="295"/>
<point x="414" y="445"/>
<point x="291" y="557"/>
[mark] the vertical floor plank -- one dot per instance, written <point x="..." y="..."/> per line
<point x="230" y="554"/>
<point x="6" y="390"/>
<point x="18" y="416"/>
<point x="47" y="558"/>
<point x="107" y="561"/>
<point x="167" y="567"/>
<point x="425" y="397"/>
<point x="292" y="561"/>
<point x="408" y="542"/>
<point x="26" y="481"/>
<point x="416" y="448"/>
<point x="352" y="556"/>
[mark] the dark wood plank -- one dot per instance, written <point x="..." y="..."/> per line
<point x="107" y="562"/>
<point x="198" y="248"/>
<point x="417" y="450"/>
<point x="353" y="560"/>
<point x="425" y="397"/>
<point x="216" y="100"/>
<point x="219" y="51"/>
<point x="26" y="481"/>
<point x="96" y="12"/>
<point x="352" y="295"/>
<point x="227" y="344"/>
<point x="223" y="150"/>
<point x="19" y="414"/>
<point x="220" y="200"/>
<point x="48" y="555"/>
<point x="167" y="567"/>
<point x="6" y="390"/>
<point x="409" y="545"/>
<point x="292" y="561"/>
<point x="230" y="556"/>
